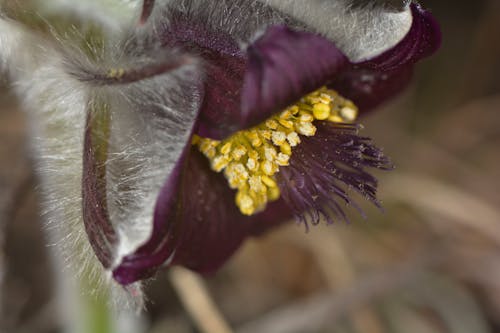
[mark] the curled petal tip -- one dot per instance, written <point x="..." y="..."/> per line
<point x="281" y="66"/>
<point x="374" y="81"/>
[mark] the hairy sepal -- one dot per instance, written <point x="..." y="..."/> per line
<point x="152" y="123"/>
<point x="56" y="105"/>
<point x="152" y="118"/>
<point x="361" y="32"/>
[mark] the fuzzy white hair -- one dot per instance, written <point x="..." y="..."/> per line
<point x="361" y="32"/>
<point x="56" y="107"/>
<point x="152" y="123"/>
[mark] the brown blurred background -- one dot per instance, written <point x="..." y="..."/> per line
<point x="429" y="264"/>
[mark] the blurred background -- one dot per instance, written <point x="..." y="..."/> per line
<point x="429" y="264"/>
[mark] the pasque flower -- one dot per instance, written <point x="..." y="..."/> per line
<point x="212" y="121"/>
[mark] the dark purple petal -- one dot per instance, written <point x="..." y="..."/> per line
<point x="284" y="65"/>
<point x="369" y="88"/>
<point x="275" y="214"/>
<point x="372" y="82"/>
<point x="224" y="66"/>
<point x="325" y="168"/>
<point x="101" y="233"/>
<point x="280" y="67"/>
<point x="221" y="106"/>
<point x="196" y="223"/>
<point x="213" y="226"/>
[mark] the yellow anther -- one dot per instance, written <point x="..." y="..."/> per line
<point x="272" y="124"/>
<point x="268" y="181"/>
<point x="266" y="134"/>
<point x="287" y="114"/>
<point x="313" y="100"/>
<point x="335" y="118"/>
<point x="273" y="193"/>
<point x="240" y="170"/>
<point x="112" y="73"/>
<point x="321" y="111"/>
<point x="256" y="184"/>
<point x="250" y="159"/>
<point x="268" y="168"/>
<point x="293" y="139"/>
<point x="253" y="154"/>
<point x="306" y="117"/>
<point x="278" y="138"/>
<point x="286" y="123"/>
<point x="282" y="159"/>
<point x="305" y="107"/>
<point x="219" y="163"/>
<point x="205" y="144"/>
<point x="252" y="164"/>
<point x="235" y="179"/>
<point x="209" y="152"/>
<point x="226" y="148"/>
<point x="254" y="138"/>
<point x="294" y="109"/>
<point x="286" y="148"/>
<point x="325" y="98"/>
<point x="195" y="140"/>
<point x="245" y="203"/>
<point x="307" y="129"/>
<point x="116" y="73"/>
<point x="238" y="153"/>
<point x="348" y="113"/>
<point x="270" y="153"/>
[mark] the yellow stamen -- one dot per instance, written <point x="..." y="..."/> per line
<point x="116" y="73"/>
<point x="251" y="158"/>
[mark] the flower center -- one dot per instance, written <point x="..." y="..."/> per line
<point x="251" y="158"/>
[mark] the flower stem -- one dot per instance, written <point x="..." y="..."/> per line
<point x="197" y="301"/>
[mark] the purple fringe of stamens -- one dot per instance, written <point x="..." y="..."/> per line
<point x="325" y="167"/>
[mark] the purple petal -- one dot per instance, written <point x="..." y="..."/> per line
<point x="224" y="65"/>
<point x="282" y="65"/>
<point x="325" y="168"/>
<point x="372" y="82"/>
<point x="196" y="223"/>
<point x="242" y="90"/>
<point x="369" y="88"/>
<point x="213" y="226"/>
<point x="221" y="107"/>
